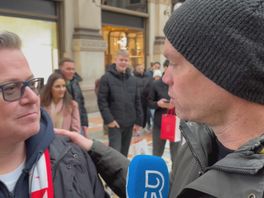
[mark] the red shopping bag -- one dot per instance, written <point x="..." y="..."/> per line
<point x="170" y="127"/>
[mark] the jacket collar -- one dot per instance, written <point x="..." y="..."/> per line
<point x="248" y="159"/>
<point x="201" y="142"/>
<point x="112" y="69"/>
<point x="37" y="144"/>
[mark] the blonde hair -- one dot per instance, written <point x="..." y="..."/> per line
<point x="122" y="53"/>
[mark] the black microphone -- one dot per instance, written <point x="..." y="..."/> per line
<point x="147" y="177"/>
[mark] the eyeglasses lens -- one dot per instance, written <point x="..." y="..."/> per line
<point x="15" y="90"/>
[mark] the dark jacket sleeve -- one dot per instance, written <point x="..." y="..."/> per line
<point x="103" y="100"/>
<point x="112" y="166"/>
<point x="139" y="110"/>
<point x="98" y="189"/>
<point x="77" y="95"/>
<point x="83" y="112"/>
<point x="152" y="97"/>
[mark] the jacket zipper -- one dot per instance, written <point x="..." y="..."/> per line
<point x="192" y="150"/>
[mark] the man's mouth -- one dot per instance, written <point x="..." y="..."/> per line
<point x="28" y="115"/>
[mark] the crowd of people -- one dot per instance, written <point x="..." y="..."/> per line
<point x="214" y="81"/>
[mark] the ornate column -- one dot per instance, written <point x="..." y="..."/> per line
<point x="88" y="46"/>
<point x="159" y="12"/>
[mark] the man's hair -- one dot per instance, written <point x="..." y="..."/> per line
<point x="63" y="60"/>
<point x="9" y="40"/>
<point x="122" y="53"/>
<point x="166" y="63"/>
<point x="156" y="62"/>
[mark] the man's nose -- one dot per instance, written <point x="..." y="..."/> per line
<point x="29" y="96"/>
<point x="167" y="75"/>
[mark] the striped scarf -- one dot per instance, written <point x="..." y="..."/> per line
<point x="41" y="178"/>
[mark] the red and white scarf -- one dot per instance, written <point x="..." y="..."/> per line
<point x="41" y="178"/>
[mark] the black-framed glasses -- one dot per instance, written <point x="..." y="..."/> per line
<point x="13" y="91"/>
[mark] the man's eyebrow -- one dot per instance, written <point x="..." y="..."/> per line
<point x="30" y="77"/>
<point x="16" y="80"/>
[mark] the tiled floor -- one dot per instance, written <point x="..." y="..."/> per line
<point x="96" y="132"/>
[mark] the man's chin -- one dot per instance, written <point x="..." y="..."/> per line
<point x="69" y="78"/>
<point x="26" y="134"/>
<point x="33" y="130"/>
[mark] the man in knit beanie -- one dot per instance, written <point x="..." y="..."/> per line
<point x="216" y="77"/>
<point x="216" y="82"/>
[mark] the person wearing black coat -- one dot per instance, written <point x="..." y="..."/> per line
<point x="159" y="100"/>
<point x="119" y="103"/>
<point x="143" y="82"/>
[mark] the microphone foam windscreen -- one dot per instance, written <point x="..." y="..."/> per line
<point x="147" y="177"/>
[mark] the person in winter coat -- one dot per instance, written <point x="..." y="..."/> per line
<point x="67" y="69"/>
<point x="119" y="103"/>
<point x="142" y="81"/>
<point x="56" y="100"/>
<point x="34" y="162"/>
<point x="215" y="80"/>
<point x="159" y="100"/>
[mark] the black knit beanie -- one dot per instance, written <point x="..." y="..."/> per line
<point x="223" y="39"/>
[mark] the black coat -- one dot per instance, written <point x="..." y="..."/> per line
<point x="143" y="82"/>
<point x="158" y="90"/>
<point x="119" y="98"/>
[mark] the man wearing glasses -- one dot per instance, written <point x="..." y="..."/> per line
<point x="33" y="162"/>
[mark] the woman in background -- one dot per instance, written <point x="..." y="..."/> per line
<point x="58" y="103"/>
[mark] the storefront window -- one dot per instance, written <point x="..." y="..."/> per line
<point x="39" y="40"/>
<point x="136" y="5"/>
<point x="124" y="38"/>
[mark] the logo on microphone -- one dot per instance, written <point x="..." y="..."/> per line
<point x="154" y="184"/>
<point x="147" y="177"/>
